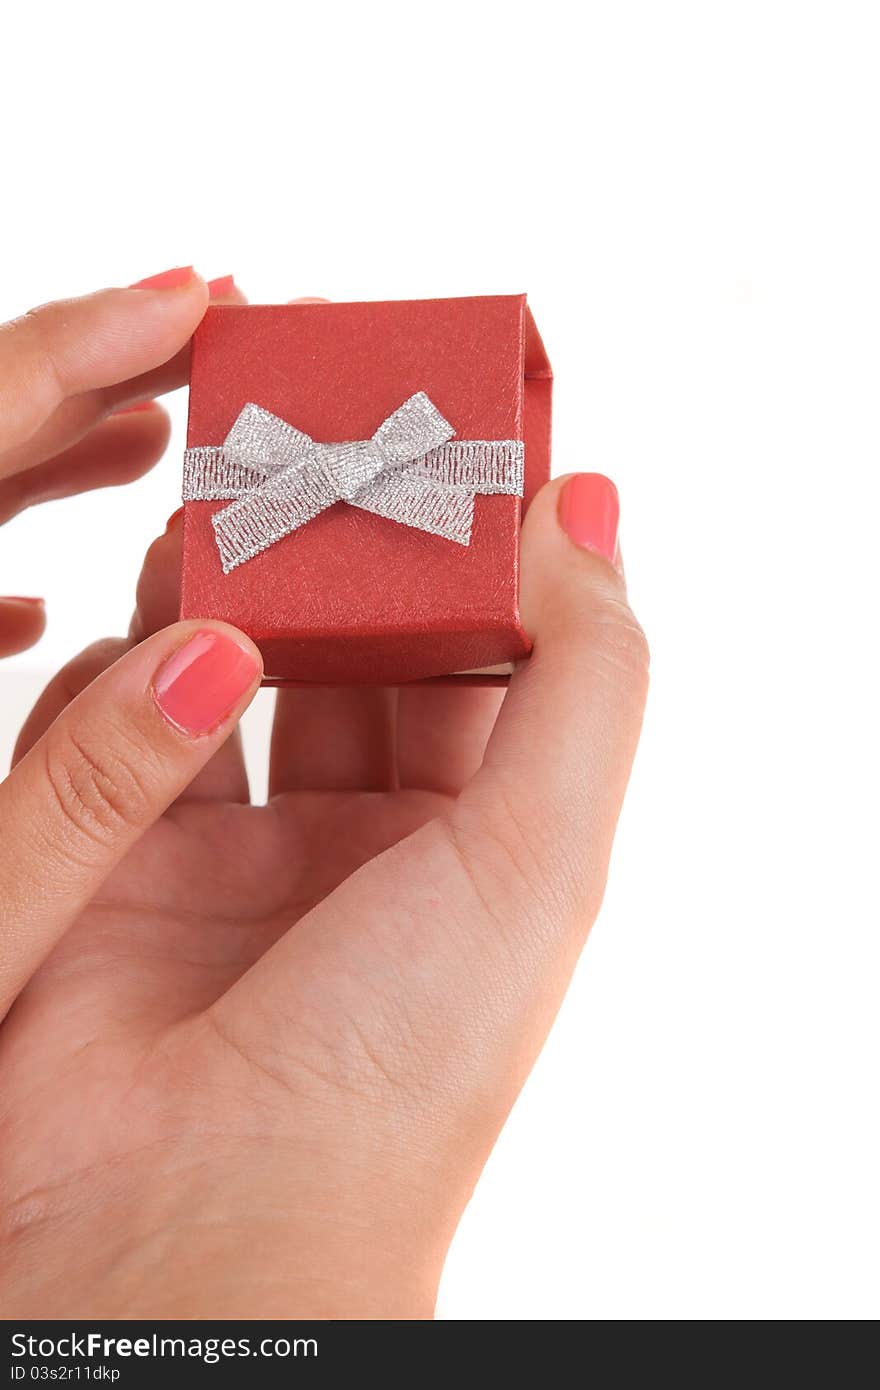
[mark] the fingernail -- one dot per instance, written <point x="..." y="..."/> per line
<point x="172" y="518"/>
<point x="166" y="279"/>
<point x="21" y="598"/>
<point x="589" y="512"/>
<point x="200" y="685"/>
<point x="221" y="287"/>
<point x="138" y="405"/>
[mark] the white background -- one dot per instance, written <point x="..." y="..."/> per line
<point x="688" y="194"/>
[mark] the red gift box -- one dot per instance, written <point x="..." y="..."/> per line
<point x="352" y="597"/>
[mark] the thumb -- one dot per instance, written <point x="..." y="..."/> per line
<point x="507" y="879"/>
<point x="556" y="767"/>
<point x="108" y="767"/>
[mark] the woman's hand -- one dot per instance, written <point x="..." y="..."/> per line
<point x="257" y="1055"/>
<point x="77" y="382"/>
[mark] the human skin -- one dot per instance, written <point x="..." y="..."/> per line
<point x="254" y="1058"/>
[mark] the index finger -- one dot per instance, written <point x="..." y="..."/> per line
<point x="77" y="347"/>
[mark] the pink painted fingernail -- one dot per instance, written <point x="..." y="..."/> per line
<point x="21" y="598"/>
<point x="589" y="513"/>
<point x="221" y="287"/>
<point x="166" y="279"/>
<point x="138" y="405"/>
<point x="200" y="685"/>
<point x="173" y="517"/>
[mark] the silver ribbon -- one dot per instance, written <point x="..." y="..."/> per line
<point x="410" y="471"/>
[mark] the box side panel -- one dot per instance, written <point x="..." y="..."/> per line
<point x="537" y="410"/>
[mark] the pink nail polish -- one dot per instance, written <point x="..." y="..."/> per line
<point x="200" y="685"/>
<point x="166" y="279"/>
<point x="221" y="287"/>
<point x="589" y="512"/>
<point x="20" y="598"/>
<point x="138" y="405"/>
<point x="173" y="517"/>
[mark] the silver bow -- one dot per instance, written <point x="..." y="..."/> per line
<point x="409" y="472"/>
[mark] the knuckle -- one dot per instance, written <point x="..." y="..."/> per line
<point x="618" y="643"/>
<point x="30" y="342"/>
<point x="96" y="789"/>
<point x="37" y="324"/>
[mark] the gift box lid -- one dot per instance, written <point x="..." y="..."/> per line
<point x="350" y="596"/>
